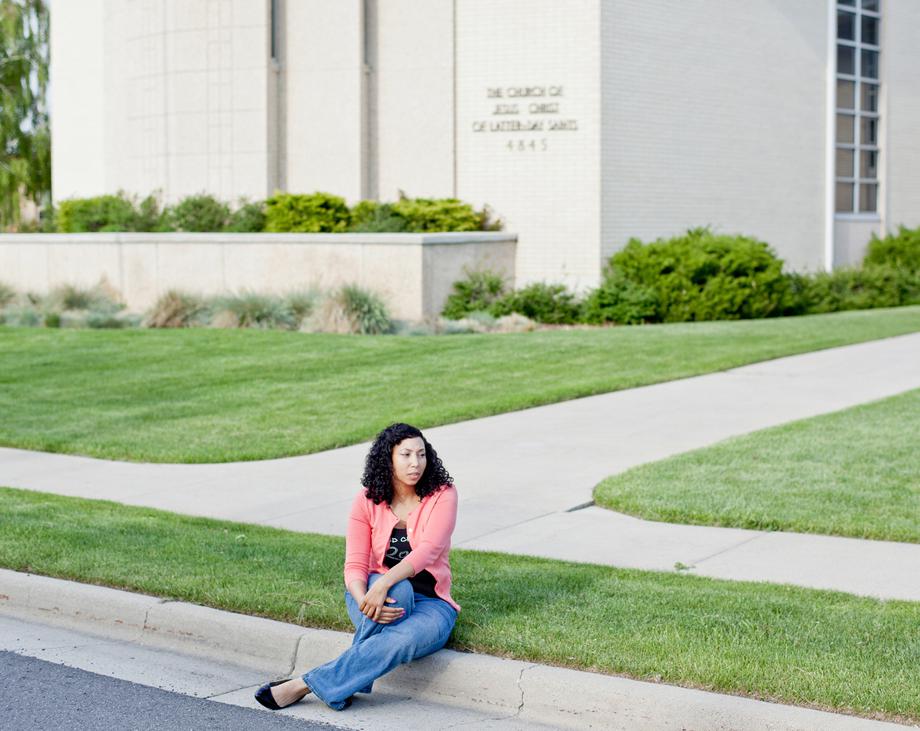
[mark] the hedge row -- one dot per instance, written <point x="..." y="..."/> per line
<point x="282" y="212"/>
<point x="705" y="276"/>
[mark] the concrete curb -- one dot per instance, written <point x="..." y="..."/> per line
<point x="508" y="688"/>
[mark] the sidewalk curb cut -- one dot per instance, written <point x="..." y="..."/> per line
<point x="511" y="689"/>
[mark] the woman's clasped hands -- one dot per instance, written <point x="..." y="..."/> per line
<point x="374" y="605"/>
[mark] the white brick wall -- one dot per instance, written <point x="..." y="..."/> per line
<point x="179" y="93"/>
<point x="549" y="197"/>
<point x="714" y="113"/>
<point x="324" y="58"/>
<point x="698" y="112"/>
<point x="900" y="55"/>
<point x="77" y="99"/>
<point x="413" y="75"/>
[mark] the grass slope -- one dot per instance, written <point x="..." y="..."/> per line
<point x="818" y="648"/>
<point x="217" y="396"/>
<point x="854" y="473"/>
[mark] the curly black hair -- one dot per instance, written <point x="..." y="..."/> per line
<point x="378" y="467"/>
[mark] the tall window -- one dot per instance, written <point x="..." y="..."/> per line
<point x="858" y="26"/>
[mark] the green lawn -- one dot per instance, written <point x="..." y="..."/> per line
<point x="851" y="473"/>
<point x="818" y="648"/>
<point x="217" y="395"/>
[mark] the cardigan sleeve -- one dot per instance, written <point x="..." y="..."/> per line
<point x="436" y="537"/>
<point x="358" y="541"/>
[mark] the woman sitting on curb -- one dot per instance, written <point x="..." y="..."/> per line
<point x="397" y="571"/>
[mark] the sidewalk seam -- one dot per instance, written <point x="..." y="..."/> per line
<point x="697" y="562"/>
<point x="507" y="527"/>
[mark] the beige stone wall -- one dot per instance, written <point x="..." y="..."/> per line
<point x="413" y="273"/>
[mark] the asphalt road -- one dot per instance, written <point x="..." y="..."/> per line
<point x="36" y="695"/>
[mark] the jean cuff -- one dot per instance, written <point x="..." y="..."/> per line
<point x="340" y="706"/>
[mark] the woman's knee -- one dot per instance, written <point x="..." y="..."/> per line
<point x="404" y="594"/>
<point x="401" y="591"/>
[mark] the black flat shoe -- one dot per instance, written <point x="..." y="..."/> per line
<point x="264" y="695"/>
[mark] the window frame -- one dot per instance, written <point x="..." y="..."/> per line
<point x="857" y="146"/>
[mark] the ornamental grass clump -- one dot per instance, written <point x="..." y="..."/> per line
<point x="7" y="295"/>
<point x="176" y="308"/>
<point x="300" y="304"/>
<point x="366" y="310"/>
<point x="251" y="309"/>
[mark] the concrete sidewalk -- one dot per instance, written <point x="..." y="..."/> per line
<point x="230" y="655"/>
<point x="525" y="478"/>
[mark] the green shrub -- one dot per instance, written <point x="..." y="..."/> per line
<point x="427" y="215"/>
<point x="249" y="217"/>
<point x="899" y="251"/>
<point x="315" y="213"/>
<point x="705" y="276"/>
<point x="150" y="217"/>
<point x="199" y="213"/>
<point x="177" y="309"/>
<point x="374" y="217"/>
<point x="855" y="289"/>
<point x="102" y="213"/>
<point x="366" y="310"/>
<point x="477" y="292"/>
<point x="547" y="303"/>
<point x="620" y="301"/>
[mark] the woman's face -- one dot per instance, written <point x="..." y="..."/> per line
<point x="409" y="460"/>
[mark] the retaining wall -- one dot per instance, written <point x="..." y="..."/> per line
<point x="412" y="272"/>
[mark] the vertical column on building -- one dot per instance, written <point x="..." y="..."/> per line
<point x="325" y="97"/>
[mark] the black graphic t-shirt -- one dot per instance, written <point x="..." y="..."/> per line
<point x="422" y="582"/>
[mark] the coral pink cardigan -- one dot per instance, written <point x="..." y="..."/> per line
<point x="428" y="528"/>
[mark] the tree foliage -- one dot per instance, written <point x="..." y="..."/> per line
<point x="25" y="142"/>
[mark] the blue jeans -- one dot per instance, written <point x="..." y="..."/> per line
<point x="378" y="648"/>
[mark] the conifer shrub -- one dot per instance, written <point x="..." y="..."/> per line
<point x="202" y="212"/>
<point x="551" y="304"/>
<point x="476" y="292"/>
<point x="705" y="276"/>
<point x="249" y="217"/>
<point x="900" y="251"/>
<point x="620" y="301"/>
<point x="314" y="213"/>
<point x="428" y="215"/>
